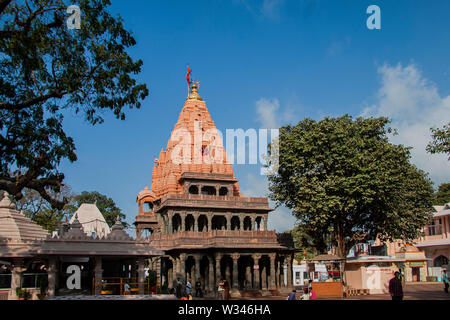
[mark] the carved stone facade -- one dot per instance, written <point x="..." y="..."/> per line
<point x="207" y="228"/>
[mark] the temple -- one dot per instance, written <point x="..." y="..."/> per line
<point x="195" y="213"/>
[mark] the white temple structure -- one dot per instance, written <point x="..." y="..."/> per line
<point x="92" y="220"/>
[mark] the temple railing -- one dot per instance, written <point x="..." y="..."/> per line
<point x="226" y="238"/>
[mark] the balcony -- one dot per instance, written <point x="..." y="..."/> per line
<point x="217" y="239"/>
<point x="212" y="201"/>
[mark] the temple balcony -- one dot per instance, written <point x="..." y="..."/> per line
<point x="217" y="239"/>
<point x="211" y="201"/>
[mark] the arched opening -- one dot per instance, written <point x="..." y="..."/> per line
<point x="258" y="223"/>
<point x="247" y="223"/>
<point x="148" y="206"/>
<point x="223" y="191"/>
<point x="190" y="269"/>
<point x="176" y="223"/>
<point x="235" y="223"/>
<point x="189" y="223"/>
<point x="219" y="223"/>
<point x="193" y="189"/>
<point x="202" y="223"/>
<point x="209" y="191"/>
<point x="440" y="261"/>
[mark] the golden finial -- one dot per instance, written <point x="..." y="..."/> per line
<point x="194" y="91"/>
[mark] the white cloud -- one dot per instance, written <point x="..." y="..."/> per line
<point x="270" y="116"/>
<point x="414" y="105"/>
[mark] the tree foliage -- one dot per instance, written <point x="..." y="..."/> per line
<point x="47" y="69"/>
<point x="40" y="211"/>
<point x="442" y="196"/>
<point x="441" y="140"/>
<point x="106" y="205"/>
<point x="345" y="182"/>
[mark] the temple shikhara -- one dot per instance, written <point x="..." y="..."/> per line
<point x="196" y="214"/>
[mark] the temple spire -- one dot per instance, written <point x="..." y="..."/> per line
<point x="194" y="92"/>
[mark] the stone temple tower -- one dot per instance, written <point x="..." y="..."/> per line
<point x="195" y="212"/>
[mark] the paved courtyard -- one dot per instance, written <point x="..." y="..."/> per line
<point x="414" y="291"/>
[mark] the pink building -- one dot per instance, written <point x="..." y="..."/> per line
<point x="436" y="241"/>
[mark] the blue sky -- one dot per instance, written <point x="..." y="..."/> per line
<point x="264" y="63"/>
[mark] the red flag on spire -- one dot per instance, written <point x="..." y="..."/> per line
<point x="188" y="76"/>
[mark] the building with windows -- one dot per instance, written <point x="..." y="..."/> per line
<point x="30" y="258"/>
<point x="195" y="212"/>
<point x="435" y="242"/>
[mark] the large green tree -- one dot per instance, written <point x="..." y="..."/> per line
<point x="106" y="205"/>
<point x="441" y="140"/>
<point x="345" y="182"/>
<point x="48" y="70"/>
<point x="442" y="195"/>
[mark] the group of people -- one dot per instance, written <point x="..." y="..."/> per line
<point x="185" y="292"/>
<point x="308" y="293"/>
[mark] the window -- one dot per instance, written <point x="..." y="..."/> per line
<point x="193" y="189"/>
<point x="208" y="190"/>
<point x="223" y="191"/>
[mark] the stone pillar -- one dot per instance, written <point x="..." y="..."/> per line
<point x="212" y="284"/>
<point x="197" y="259"/>
<point x="141" y="274"/>
<point x="209" y="216"/>
<point x="228" y="217"/>
<point x="248" y="276"/>
<point x="196" y="224"/>
<point x="98" y="275"/>
<point x="183" y="267"/>
<point x="264" y="276"/>
<point x="272" y="285"/>
<point x="218" y="273"/>
<point x="16" y="273"/>
<point x="256" y="275"/>
<point x="170" y="217"/>
<point x="235" y="257"/>
<point x="183" y="221"/>
<point x="289" y="272"/>
<point x="265" y="223"/>
<point x="52" y="273"/>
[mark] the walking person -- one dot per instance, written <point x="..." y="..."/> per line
<point x="188" y="287"/>
<point x="395" y="287"/>
<point x="126" y="289"/>
<point x="198" y="289"/>
<point x="221" y="290"/>
<point x="291" y="295"/>
<point x="445" y="279"/>
<point x="178" y="288"/>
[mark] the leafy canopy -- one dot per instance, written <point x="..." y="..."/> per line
<point x="441" y="140"/>
<point x="345" y="182"/>
<point x="48" y="69"/>
<point x="442" y="196"/>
